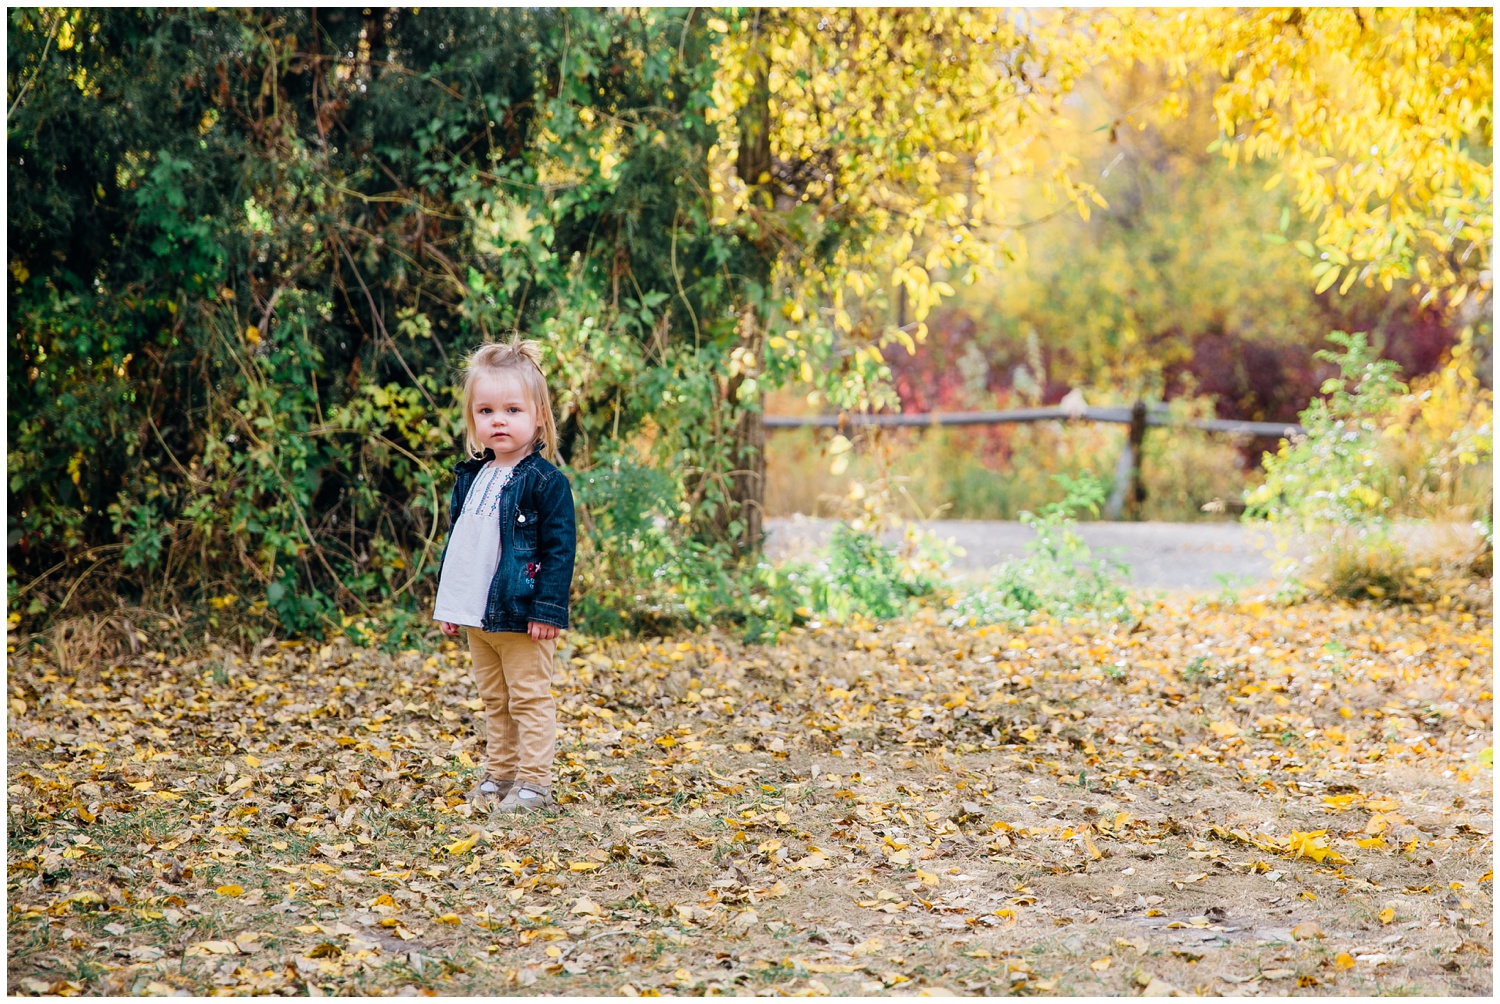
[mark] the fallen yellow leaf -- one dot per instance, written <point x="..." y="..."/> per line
<point x="1094" y="852"/>
<point x="828" y="967"/>
<point x="463" y="846"/>
<point x="1313" y="845"/>
<point x="587" y="907"/>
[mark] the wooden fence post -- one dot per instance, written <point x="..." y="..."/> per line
<point x="1137" y="444"/>
<point x="1129" y="492"/>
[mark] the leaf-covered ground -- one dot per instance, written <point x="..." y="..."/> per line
<point x="1233" y="798"/>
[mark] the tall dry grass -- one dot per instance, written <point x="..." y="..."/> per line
<point x="997" y="472"/>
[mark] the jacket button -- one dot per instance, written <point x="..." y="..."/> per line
<point x="520" y="519"/>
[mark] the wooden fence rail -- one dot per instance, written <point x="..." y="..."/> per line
<point x="1156" y="415"/>
<point x="1128" y="492"/>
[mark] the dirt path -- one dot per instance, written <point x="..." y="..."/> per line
<point x="1241" y="799"/>
<point x="1198" y="556"/>
<point x="1192" y="557"/>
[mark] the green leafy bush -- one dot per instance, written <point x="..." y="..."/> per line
<point x="309" y="613"/>
<point x="863" y="576"/>
<point x="237" y="303"/>
<point x="638" y="566"/>
<point x="1058" y="576"/>
<point x="1374" y="459"/>
<point x="640" y="570"/>
<point x="1330" y="474"/>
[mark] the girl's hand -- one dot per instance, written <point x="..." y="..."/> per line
<point x="448" y="629"/>
<point x="540" y="631"/>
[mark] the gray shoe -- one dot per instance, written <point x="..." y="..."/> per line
<point x="525" y="796"/>
<point x="490" y="789"/>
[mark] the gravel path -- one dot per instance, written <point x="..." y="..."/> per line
<point x="1193" y="556"/>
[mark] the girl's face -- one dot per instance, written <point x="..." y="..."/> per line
<point x="503" y="417"/>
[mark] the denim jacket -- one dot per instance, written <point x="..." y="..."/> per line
<point x="538" y="535"/>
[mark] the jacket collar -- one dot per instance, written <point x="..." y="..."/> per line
<point x="475" y="463"/>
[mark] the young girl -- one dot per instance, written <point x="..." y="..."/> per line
<point x="508" y="568"/>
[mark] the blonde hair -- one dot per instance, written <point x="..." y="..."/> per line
<point x="524" y="359"/>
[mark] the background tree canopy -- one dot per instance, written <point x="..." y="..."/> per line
<point x="248" y="249"/>
<point x="1189" y="283"/>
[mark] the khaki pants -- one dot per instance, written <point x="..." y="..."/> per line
<point x="514" y="675"/>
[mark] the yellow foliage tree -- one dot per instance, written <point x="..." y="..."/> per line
<point x="864" y="149"/>
<point x="861" y="148"/>
<point x="1440" y="441"/>
<point x="870" y="154"/>
<point x="1380" y="120"/>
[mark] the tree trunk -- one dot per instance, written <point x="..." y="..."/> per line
<point x="747" y="482"/>
<point x="753" y="163"/>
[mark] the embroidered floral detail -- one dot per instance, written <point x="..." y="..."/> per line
<point x="532" y="568"/>
<point x="490" y="482"/>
